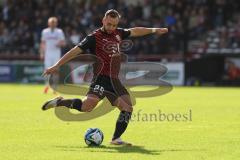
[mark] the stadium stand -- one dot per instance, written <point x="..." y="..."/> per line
<point x="196" y="27"/>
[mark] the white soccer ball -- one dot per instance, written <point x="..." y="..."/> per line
<point x="93" y="137"/>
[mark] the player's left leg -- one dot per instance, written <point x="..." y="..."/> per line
<point x="125" y="106"/>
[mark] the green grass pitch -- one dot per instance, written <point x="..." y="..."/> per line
<point x="212" y="133"/>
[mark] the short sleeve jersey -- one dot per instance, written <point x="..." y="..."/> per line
<point x="106" y="48"/>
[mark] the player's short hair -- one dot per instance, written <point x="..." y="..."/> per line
<point x="52" y="19"/>
<point x="112" y="13"/>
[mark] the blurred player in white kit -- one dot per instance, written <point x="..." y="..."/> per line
<point x="52" y="40"/>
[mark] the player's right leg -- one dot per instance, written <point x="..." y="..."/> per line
<point x="48" y="62"/>
<point x="46" y="89"/>
<point x="94" y="95"/>
<point x="87" y="105"/>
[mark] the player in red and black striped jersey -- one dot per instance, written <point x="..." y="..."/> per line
<point x="104" y="44"/>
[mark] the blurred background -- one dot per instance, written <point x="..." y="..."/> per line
<point x="201" y="48"/>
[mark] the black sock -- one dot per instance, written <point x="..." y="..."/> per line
<point x="71" y="103"/>
<point x="121" y="124"/>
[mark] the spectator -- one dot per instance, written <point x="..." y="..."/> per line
<point x="21" y="22"/>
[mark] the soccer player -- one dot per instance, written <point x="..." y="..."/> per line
<point x="106" y="82"/>
<point x="51" y="42"/>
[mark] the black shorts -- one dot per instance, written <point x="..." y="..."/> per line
<point x="104" y="86"/>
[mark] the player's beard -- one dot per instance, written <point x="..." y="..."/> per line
<point x="106" y="31"/>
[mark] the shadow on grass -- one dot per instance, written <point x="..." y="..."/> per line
<point x="120" y="149"/>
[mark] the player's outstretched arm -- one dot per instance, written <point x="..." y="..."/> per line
<point x="67" y="57"/>
<point x="142" y="31"/>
